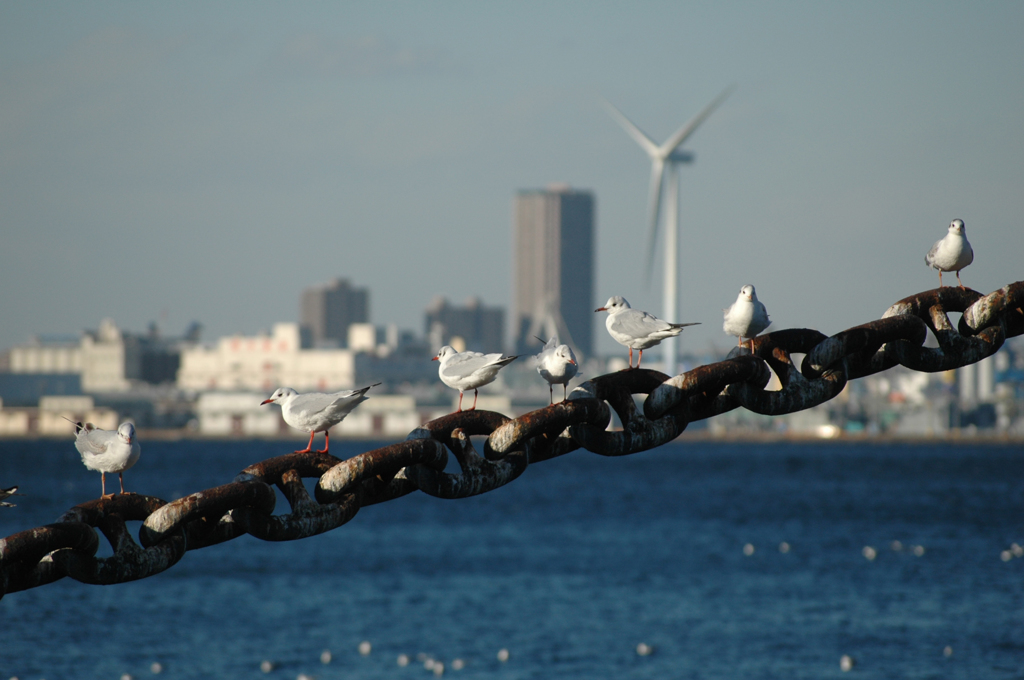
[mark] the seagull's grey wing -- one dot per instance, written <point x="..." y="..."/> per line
<point x="348" y="400"/>
<point x="763" y="311"/>
<point x="345" y="397"/>
<point x="94" y="442"/>
<point x="653" y="323"/>
<point x="313" y="402"/>
<point x="465" y="364"/>
<point x="498" y="359"/>
<point x="930" y="257"/>
<point x="637" y="324"/>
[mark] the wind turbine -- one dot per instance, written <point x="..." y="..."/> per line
<point x="665" y="161"/>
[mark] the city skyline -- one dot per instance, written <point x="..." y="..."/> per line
<point x="184" y="162"/>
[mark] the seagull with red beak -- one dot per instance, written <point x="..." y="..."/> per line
<point x="316" y="412"/>
<point x="557" y="364"/>
<point x="107" y="451"/>
<point x="746" y="317"/>
<point x="637" y="329"/>
<point x="469" y="370"/>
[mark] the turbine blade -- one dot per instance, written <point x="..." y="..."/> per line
<point x="688" y="129"/>
<point x="645" y="142"/>
<point x="654" y="211"/>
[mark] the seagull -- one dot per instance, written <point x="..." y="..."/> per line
<point x="469" y="370"/>
<point x="746" y="317"/>
<point x="315" y="411"/>
<point x="952" y="252"/>
<point x="107" y="451"/>
<point x="636" y="329"/>
<point x="557" y="364"/>
<point x="4" y="493"/>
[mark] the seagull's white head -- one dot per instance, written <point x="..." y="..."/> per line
<point x="126" y="433"/>
<point x="565" y="353"/>
<point x="444" y="353"/>
<point x="616" y="303"/>
<point x="957" y="227"/>
<point x="279" y="394"/>
<point x="747" y="292"/>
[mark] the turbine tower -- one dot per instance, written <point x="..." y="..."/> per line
<point x="665" y="162"/>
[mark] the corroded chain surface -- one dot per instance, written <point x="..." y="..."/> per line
<point x="68" y="547"/>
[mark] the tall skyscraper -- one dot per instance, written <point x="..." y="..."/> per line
<point x="327" y="311"/>
<point x="554" y="268"/>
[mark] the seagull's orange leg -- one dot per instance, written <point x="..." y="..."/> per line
<point x="309" y="446"/>
<point x="327" y="441"/>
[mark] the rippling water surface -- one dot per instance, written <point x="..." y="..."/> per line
<point x="569" y="568"/>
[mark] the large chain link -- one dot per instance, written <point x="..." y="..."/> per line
<point x="245" y="506"/>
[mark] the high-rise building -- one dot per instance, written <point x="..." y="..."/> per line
<point x="473" y="326"/>
<point x="327" y="311"/>
<point x="554" y="268"/>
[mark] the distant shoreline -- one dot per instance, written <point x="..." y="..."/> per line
<point x="696" y="436"/>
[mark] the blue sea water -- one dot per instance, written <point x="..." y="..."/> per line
<point x="569" y="568"/>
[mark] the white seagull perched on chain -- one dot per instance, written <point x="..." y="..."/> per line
<point x="107" y="451"/>
<point x="637" y="329"/>
<point x="314" y="412"/>
<point x="952" y="252"/>
<point x="556" y="363"/>
<point x="746" y="317"/>
<point x="469" y="370"/>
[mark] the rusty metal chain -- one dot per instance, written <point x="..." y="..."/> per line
<point x="245" y="506"/>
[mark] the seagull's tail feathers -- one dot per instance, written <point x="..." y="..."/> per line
<point x="359" y="392"/>
<point x="363" y="390"/>
<point x="79" y="425"/>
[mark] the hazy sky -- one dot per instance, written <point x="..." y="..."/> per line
<point x="182" y="161"/>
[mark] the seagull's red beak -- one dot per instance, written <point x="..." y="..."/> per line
<point x="435" y="359"/>
<point x="601" y="309"/>
<point x="573" y="362"/>
<point x="266" y="401"/>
